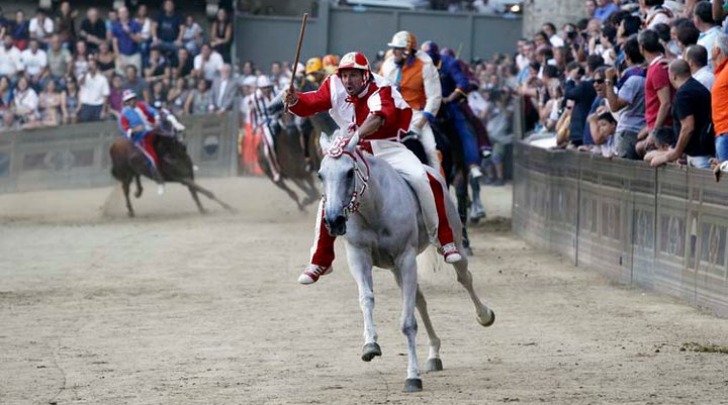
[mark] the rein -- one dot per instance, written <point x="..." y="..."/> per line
<point x="336" y="151"/>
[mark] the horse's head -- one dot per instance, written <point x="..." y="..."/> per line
<point x="344" y="175"/>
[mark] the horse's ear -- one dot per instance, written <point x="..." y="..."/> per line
<point x="327" y="140"/>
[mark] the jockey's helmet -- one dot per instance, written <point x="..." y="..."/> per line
<point x="330" y="63"/>
<point x="263" y="81"/>
<point x="128" y="95"/>
<point x="431" y="49"/>
<point x="356" y="60"/>
<point x="404" y="40"/>
<point x="314" y="65"/>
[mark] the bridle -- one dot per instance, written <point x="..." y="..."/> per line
<point x="337" y="150"/>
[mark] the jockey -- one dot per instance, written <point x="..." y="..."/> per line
<point x="417" y="79"/>
<point x="455" y="86"/>
<point x="330" y="63"/>
<point x="375" y="115"/>
<point x="264" y="120"/>
<point x="138" y="121"/>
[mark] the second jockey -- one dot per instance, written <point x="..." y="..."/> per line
<point x="418" y="80"/>
<point x="138" y="121"/>
<point x="374" y="113"/>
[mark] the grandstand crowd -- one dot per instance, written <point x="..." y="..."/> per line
<point x="61" y="67"/>
<point x="637" y="81"/>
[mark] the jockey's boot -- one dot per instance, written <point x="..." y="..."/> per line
<point x="451" y="253"/>
<point x="475" y="172"/>
<point x="312" y="273"/>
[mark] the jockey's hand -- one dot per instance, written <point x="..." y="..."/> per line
<point x="138" y="128"/>
<point x="353" y="139"/>
<point x="290" y="97"/>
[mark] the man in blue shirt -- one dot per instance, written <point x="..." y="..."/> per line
<point x="604" y="9"/>
<point x="167" y="31"/>
<point x="126" y="36"/>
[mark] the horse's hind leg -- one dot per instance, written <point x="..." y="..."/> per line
<point x="139" y="189"/>
<point x="195" y="197"/>
<point x="125" y="186"/>
<point x="484" y="315"/>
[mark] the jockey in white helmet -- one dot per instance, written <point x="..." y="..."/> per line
<point x="418" y="80"/>
<point x="372" y="112"/>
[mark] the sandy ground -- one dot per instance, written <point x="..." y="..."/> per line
<point x="178" y="308"/>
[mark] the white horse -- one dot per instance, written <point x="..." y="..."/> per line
<point x="375" y="210"/>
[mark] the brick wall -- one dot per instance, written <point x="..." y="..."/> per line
<point x="559" y="12"/>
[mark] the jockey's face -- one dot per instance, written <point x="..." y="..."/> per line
<point x="353" y="80"/>
<point x="400" y="54"/>
<point x="130" y="102"/>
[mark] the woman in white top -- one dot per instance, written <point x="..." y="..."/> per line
<point x="25" y="102"/>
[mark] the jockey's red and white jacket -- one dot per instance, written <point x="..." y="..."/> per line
<point x="378" y="97"/>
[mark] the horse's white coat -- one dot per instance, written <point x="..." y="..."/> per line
<point x="388" y="232"/>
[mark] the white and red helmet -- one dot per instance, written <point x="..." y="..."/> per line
<point x="128" y="95"/>
<point x="356" y="60"/>
<point x="404" y="40"/>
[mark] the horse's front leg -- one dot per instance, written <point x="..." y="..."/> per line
<point x="360" y="264"/>
<point x="406" y="275"/>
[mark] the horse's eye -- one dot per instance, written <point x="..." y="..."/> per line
<point x="320" y="176"/>
<point x="350" y="174"/>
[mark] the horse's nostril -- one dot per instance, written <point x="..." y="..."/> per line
<point x="340" y="220"/>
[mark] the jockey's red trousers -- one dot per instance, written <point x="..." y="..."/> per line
<point x="322" y="252"/>
<point x="147" y="144"/>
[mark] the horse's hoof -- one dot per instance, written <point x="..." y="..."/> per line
<point x="130" y="214"/>
<point x="488" y="321"/>
<point x="434" y="365"/>
<point x="412" y="385"/>
<point x="370" y="351"/>
<point x="138" y="194"/>
<point x="468" y="251"/>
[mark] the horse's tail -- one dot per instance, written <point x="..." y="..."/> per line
<point x="429" y="262"/>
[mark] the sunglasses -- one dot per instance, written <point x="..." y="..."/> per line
<point x="598" y="81"/>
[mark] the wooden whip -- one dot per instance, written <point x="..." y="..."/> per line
<point x="298" y="50"/>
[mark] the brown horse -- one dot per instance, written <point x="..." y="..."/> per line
<point x="291" y="160"/>
<point x="175" y="165"/>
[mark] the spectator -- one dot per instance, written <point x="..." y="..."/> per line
<point x="192" y="35"/>
<point x="93" y="94"/>
<point x="10" y="60"/>
<point x="222" y="34"/>
<point x="66" y="23"/>
<point x="719" y="100"/>
<point x="116" y="102"/>
<point x="248" y="69"/>
<point x="550" y="30"/>
<point x="697" y="58"/>
<point x="550" y="109"/>
<point x="20" y="30"/>
<point x="49" y="105"/>
<point x="658" y="91"/>
<point x="35" y="62"/>
<point x="6" y="95"/>
<point x="692" y="121"/>
<point x="70" y="101"/>
<point x="177" y="96"/>
<point x="25" y="102"/>
<point x="604" y="133"/>
<point x="93" y="30"/>
<point x="142" y="18"/>
<point x="158" y="66"/>
<point x="199" y="101"/>
<point x="591" y="127"/>
<point x="207" y="64"/>
<point x="167" y="30"/>
<point x="580" y="89"/>
<point x="106" y="60"/>
<point x="136" y="83"/>
<point x="630" y="100"/>
<point x="158" y="95"/>
<point x="9" y="122"/>
<point x="590" y="6"/>
<point x="656" y="13"/>
<point x="41" y="27"/>
<point x="126" y="35"/>
<point x="687" y="35"/>
<point x="184" y="64"/>
<point x="224" y="90"/>
<point x="112" y="17"/>
<point x="80" y="59"/>
<point x="604" y="9"/>
<point x="59" y="59"/>
<point x="4" y="24"/>
<point x="709" y="29"/>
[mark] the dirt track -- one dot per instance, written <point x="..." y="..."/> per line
<point x="178" y="308"/>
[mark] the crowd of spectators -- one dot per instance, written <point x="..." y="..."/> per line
<point x="635" y="81"/>
<point x="62" y="67"/>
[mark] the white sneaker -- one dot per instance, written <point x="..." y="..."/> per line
<point x="160" y="189"/>
<point x="451" y="253"/>
<point x="178" y="126"/>
<point x="312" y="273"/>
<point x="475" y="172"/>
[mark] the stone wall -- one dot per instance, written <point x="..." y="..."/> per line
<point x="559" y="12"/>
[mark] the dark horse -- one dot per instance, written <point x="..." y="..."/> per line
<point x="175" y="165"/>
<point x="291" y="160"/>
